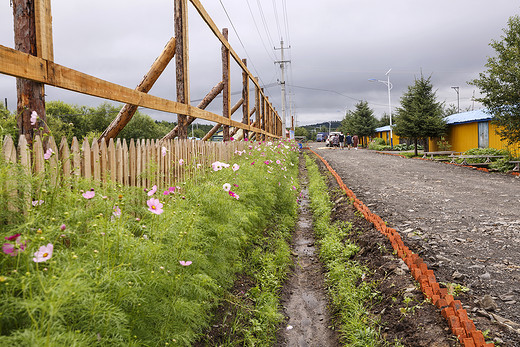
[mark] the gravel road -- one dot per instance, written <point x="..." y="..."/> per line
<point x="464" y="222"/>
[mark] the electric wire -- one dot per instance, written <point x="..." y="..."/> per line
<point x="240" y="40"/>
<point x="270" y="54"/>
<point x="266" y="28"/>
<point x="276" y="19"/>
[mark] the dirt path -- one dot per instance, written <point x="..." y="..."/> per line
<point x="304" y="298"/>
<point x="465" y="223"/>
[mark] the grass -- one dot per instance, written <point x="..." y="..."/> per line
<point x="116" y="279"/>
<point x="349" y="293"/>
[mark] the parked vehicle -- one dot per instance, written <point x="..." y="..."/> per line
<point x="331" y="136"/>
<point x="321" y="137"/>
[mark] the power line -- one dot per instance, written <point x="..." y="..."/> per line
<point x="336" y="92"/>
<point x="262" y="16"/>
<point x="258" y="31"/>
<point x="276" y="19"/>
<point x="241" y="43"/>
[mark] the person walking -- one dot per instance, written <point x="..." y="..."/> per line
<point x="348" y="140"/>
<point x="355" y="141"/>
<point x="341" y="141"/>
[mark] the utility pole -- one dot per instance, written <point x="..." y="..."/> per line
<point x="458" y="98"/>
<point x="282" y="82"/>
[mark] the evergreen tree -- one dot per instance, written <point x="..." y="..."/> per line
<point x="361" y="121"/>
<point x="420" y="115"/>
<point x="501" y="82"/>
<point x="384" y="121"/>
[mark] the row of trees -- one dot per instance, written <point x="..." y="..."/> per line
<point x="421" y="115"/>
<point x="81" y="121"/>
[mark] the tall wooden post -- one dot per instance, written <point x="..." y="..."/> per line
<point x="226" y="93"/>
<point x="258" y="108"/>
<point x="32" y="35"/>
<point x="181" y="62"/>
<point x="245" y="96"/>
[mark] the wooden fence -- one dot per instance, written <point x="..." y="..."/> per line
<point x="140" y="163"/>
<point x="33" y="64"/>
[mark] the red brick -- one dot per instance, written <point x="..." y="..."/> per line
<point x="469" y="326"/>
<point x="428" y="293"/>
<point x="424" y="268"/>
<point x="462" y="314"/>
<point x="453" y="322"/>
<point x="431" y="279"/>
<point x="478" y="337"/>
<point x="460" y="333"/>
<point x="435" y="288"/>
<point x="441" y="303"/>
<point x="443" y="292"/>
<point x="447" y="311"/>
<point x="491" y="344"/>
<point x="430" y="273"/>
<point x="449" y="298"/>
<point x="468" y="342"/>
<point x="435" y="298"/>
<point x="456" y="304"/>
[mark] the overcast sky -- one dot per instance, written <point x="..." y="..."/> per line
<point x="336" y="46"/>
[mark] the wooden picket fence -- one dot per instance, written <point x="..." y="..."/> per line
<point x="141" y="163"/>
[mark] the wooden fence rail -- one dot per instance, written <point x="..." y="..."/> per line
<point x="141" y="163"/>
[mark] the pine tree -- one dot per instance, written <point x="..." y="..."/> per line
<point x="420" y="115"/>
<point x="501" y="82"/>
<point x="360" y="122"/>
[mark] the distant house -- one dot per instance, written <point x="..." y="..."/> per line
<point x="471" y="129"/>
<point x="384" y="133"/>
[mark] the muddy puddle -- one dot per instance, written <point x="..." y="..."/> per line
<point x="304" y="300"/>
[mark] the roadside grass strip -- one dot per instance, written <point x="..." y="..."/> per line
<point x="350" y="295"/>
<point x="460" y="324"/>
<point x="100" y="264"/>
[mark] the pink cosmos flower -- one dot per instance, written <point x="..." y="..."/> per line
<point x="253" y="163"/>
<point x="44" y="253"/>
<point x="235" y="167"/>
<point x="155" y="206"/>
<point x="13" y="249"/>
<point x="166" y="192"/>
<point x="163" y="151"/>
<point x="152" y="191"/>
<point x="181" y="161"/>
<point x="171" y="189"/>
<point x="63" y="227"/>
<point x="217" y="166"/>
<point x="37" y="202"/>
<point x="48" y="154"/>
<point x="185" y="262"/>
<point x="34" y="117"/>
<point x="226" y="187"/>
<point x="89" y="194"/>
<point x="278" y="161"/>
<point x="116" y="211"/>
<point x="267" y="162"/>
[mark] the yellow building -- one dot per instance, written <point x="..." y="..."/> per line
<point x="469" y="130"/>
<point x="384" y="133"/>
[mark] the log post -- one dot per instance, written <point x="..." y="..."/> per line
<point x="245" y="96"/>
<point x="257" y="106"/>
<point x="31" y="95"/>
<point x="181" y="62"/>
<point x="127" y="112"/>
<point x="226" y="93"/>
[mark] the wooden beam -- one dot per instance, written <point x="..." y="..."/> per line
<point x="127" y="112"/>
<point x="202" y="105"/>
<point x="18" y="64"/>
<point x="181" y="62"/>
<point x="43" y="27"/>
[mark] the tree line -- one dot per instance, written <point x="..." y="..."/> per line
<point x="67" y="120"/>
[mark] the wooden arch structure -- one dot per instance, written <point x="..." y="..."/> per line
<point x="32" y="62"/>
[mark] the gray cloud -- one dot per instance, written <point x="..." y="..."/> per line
<point x="336" y="46"/>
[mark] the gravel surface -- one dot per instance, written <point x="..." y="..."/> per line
<point x="465" y="223"/>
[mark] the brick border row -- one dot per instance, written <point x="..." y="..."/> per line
<point x="457" y="317"/>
